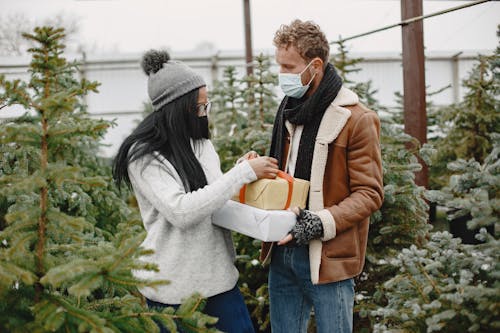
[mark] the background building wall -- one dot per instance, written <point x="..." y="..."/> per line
<point x="122" y="92"/>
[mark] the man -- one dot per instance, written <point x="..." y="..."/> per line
<point x="322" y="133"/>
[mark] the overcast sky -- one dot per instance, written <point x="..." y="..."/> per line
<point x="183" y="25"/>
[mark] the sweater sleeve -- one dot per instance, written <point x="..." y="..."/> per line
<point x="160" y="184"/>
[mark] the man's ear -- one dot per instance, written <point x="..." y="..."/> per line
<point x="317" y="64"/>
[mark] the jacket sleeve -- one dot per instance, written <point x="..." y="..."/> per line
<point x="364" y="165"/>
<point x="164" y="190"/>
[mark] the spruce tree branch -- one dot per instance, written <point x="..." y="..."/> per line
<point x="25" y="99"/>
<point x="416" y="285"/>
<point x="74" y="181"/>
<point x="196" y="305"/>
<point x="121" y="258"/>
<point x="194" y="328"/>
<point x="103" y="303"/>
<point x="96" y="305"/>
<point x="145" y="314"/>
<point x="77" y="131"/>
<point x="431" y="281"/>
<point x="249" y="295"/>
<point x="122" y="282"/>
<point x="71" y="311"/>
<point x="151" y="314"/>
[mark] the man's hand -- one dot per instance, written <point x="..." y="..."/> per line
<point x="264" y="167"/>
<point x="248" y="156"/>
<point x="307" y="227"/>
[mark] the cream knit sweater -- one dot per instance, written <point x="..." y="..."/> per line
<point x="191" y="252"/>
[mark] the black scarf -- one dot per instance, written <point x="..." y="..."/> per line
<point x="308" y="112"/>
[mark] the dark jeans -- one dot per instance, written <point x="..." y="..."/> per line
<point x="229" y="307"/>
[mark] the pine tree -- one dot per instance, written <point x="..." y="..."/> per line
<point x="243" y="112"/>
<point x="465" y="129"/>
<point x="474" y="191"/>
<point x="242" y="117"/>
<point x="68" y="242"/>
<point x="344" y="63"/>
<point x="260" y="106"/>
<point x="444" y="286"/>
<point x="402" y="219"/>
<point x="227" y="118"/>
<point x="466" y="125"/>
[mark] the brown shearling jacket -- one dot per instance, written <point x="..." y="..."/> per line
<point x="346" y="188"/>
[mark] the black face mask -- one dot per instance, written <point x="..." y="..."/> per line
<point x="199" y="128"/>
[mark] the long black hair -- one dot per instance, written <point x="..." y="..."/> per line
<point x="168" y="132"/>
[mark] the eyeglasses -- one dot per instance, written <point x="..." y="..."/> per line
<point x="203" y="109"/>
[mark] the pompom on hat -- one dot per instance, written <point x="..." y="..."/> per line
<point x="168" y="79"/>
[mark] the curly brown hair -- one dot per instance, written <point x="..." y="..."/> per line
<point x="306" y="37"/>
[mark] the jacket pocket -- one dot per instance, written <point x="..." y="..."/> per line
<point x="343" y="246"/>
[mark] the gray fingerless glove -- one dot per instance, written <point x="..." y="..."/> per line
<point x="308" y="226"/>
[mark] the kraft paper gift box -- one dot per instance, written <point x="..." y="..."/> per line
<point x="265" y="225"/>
<point x="282" y="192"/>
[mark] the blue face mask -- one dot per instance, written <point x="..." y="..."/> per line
<point x="291" y="84"/>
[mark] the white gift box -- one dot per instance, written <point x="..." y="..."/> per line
<point x="265" y="225"/>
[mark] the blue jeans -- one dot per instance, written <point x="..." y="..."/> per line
<point x="292" y="295"/>
<point x="229" y="307"/>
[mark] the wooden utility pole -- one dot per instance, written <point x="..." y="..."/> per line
<point x="248" y="37"/>
<point x="415" y="118"/>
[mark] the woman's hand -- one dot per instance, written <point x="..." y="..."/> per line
<point x="264" y="167"/>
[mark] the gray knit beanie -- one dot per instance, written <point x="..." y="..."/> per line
<point x="168" y="80"/>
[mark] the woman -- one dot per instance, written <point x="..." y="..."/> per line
<point x="175" y="174"/>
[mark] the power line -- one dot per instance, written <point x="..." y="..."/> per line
<point x="411" y="20"/>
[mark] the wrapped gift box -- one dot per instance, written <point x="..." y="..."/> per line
<point x="265" y="225"/>
<point x="273" y="194"/>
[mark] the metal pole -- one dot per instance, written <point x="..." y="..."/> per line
<point x="83" y="74"/>
<point x="214" y="68"/>
<point x="456" y="77"/>
<point x="248" y="37"/>
<point x="415" y="118"/>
